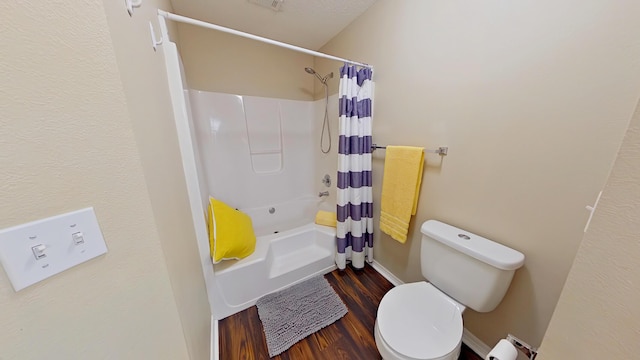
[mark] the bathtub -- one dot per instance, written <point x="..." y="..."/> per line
<point x="290" y="248"/>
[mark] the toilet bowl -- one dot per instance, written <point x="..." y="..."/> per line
<point x="423" y="320"/>
<point x="417" y="321"/>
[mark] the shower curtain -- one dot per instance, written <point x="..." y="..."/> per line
<point x="354" y="196"/>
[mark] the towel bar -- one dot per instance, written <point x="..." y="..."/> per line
<point x="442" y="151"/>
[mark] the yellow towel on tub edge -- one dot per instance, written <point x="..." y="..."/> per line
<point x="401" y="182"/>
<point x="326" y="218"/>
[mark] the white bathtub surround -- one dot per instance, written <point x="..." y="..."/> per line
<point x="280" y="260"/>
<point x="290" y="248"/>
<point x="257" y="155"/>
<point x="254" y="151"/>
<point x="283" y="215"/>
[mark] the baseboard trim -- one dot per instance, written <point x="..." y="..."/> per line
<point x="215" y="348"/>
<point x="475" y="344"/>
<point x="468" y="338"/>
<point x="386" y="273"/>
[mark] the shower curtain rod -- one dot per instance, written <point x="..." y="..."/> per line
<point x="186" y="20"/>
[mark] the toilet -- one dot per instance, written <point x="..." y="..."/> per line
<point x="423" y="320"/>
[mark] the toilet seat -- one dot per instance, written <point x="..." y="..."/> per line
<point x="418" y="321"/>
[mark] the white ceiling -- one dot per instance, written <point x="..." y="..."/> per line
<point x="305" y="23"/>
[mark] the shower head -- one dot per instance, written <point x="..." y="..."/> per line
<point x="322" y="79"/>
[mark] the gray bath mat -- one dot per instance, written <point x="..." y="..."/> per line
<point x="292" y="314"/>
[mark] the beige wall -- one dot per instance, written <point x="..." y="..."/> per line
<point x="597" y="315"/>
<point x="144" y="80"/>
<point x="532" y="99"/>
<point x="220" y="62"/>
<point x="67" y="143"/>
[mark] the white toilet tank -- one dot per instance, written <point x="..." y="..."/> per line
<point x="473" y="270"/>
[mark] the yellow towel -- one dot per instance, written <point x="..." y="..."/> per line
<point x="326" y="218"/>
<point x="400" y="188"/>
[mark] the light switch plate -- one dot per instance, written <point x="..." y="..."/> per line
<point x="61" y="248"/>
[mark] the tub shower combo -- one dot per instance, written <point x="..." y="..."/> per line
<point x="255" y="154"/>
<point x="260" y="156"/>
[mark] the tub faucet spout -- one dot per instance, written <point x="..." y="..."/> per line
<point x="323" y="193"/>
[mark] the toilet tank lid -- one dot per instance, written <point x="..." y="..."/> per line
<point x="476" y="246"/>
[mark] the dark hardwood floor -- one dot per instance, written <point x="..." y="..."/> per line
<point x="351" y="337"/>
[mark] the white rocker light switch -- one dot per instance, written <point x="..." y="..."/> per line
<point x="37" y="250"/>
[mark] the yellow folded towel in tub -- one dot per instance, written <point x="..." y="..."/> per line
<point x="400" y="188"/>
<point x="326" y="218"/>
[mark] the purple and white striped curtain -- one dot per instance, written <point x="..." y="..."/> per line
<point x="354" y="197"/>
